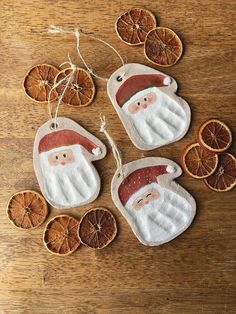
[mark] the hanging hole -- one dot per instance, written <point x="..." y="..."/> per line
<point x="119" y="78"/>
<point x="53" y="126"/>
<point x="118" y="175"/>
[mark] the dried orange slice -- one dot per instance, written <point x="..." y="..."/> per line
<point x="163" y="47"/>
<point x="215" y="136"/>
<point x="27" y="209"/>
<point x="133" y="26"/>
<point x="198" y="162"/>
<point x="81" y="90"/>
<point x="224" y="178"/>
<point x="97" y="228"/>
<point x="60" y="235"/>
<point x="39" y="81"/>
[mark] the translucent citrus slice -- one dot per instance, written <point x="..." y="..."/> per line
<point x="163" y="47"/>
<point x="81" y="90"/>
<point x="39" y="81"/>
<point x="215" y="136"/>
<point x="60" y="235"/>
<point x="198" y="162"/>
<point x="27" y="209"/>
<point x="97" y="228"/>
<point x="133" y="26"/>
<point x="224" y="178"/>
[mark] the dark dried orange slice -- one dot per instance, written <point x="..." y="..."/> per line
<point x="132" y="26"/>
<point x="97" y="228"/>
<point x="60" y="235"/>
<point x="224" y="178"/>
<point x="27" y="209"/>
<point x="163" y="47"/>
<point x="215" y="136"/>
<point x="80" y="91"/>
<point x="198" y="162"/>
<point x="39" y="81"/>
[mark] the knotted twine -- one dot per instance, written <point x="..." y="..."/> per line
<point x="67" y="79"/>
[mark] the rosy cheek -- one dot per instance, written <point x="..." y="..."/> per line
<point x="53" y="162"/>
<point x="132" y="108"/>
<point x="138" y="205"/>
<point x="150" y="100"/>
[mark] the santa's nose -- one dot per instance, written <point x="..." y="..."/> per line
<point x="145" y="106"/>
<point x="146" y="202"/>
<point x="63" y="163"/>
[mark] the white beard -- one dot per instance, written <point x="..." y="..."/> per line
<point x="161" y="122"/>
<point x="69" y="185"/>
<point x="160" y="220"/>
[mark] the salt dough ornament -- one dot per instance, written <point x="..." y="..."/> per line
<point x="146" y="102"/>
<point x="63" y="155"/>
<point x="155" y="206"/>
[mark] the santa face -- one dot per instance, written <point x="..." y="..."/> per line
<point x="61" y="157"/>
<point x="157" y="118"/>
<point x="142" y="103"/>
<point x="69" y="178"/>
<point x="159" y="213"/>
<point x="149" y="196"/>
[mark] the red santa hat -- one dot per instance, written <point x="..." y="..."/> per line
<point x="137" y="83"/>
<point x="139" y="179"/>
<point x="66" y="138"/>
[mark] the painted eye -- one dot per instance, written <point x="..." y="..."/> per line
<point x="64" y="155"/>
<point x="145" y="99"/>
<point x="149" y="194"/>
<point x="139" y="201"/>
<point x="138" y="103"/>
<point x="56" y="157"/>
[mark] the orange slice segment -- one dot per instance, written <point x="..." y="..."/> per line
<point x="198" y="162"/>
<point x="27" y="209"/>
<point x="215" y="136"/>
<point x="81" y="90"/>
<point x="60" y="235"/>
<point x="97" y="228"/>
<point x="163" y="47"/>
<point x="39" y="81"/>
<point x="133" y="26"/>
<point x="224" y="178"/>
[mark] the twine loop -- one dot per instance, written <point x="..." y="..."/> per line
<point x="115" y="150"/>
<point x="77" y="32"/>
<point x="67" y="79"/>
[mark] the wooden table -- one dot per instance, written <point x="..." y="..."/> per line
<point x="195" y="273"/>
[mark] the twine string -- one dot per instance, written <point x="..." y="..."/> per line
<point x="115" y="150"/>
<point x="68" y="79"/>
<point x="78" y="32"/>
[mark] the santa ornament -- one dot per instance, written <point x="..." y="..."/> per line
<point x="63" y="155"/>
<point x="155" y="206"/>
<point x="145" y="100"/>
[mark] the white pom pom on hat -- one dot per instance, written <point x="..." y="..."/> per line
<point x="167" y="80"/>
<point x="170" y="169"/>
<point x="96" y="151"/>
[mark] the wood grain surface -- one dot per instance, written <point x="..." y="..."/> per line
<point x="194" y="273"/>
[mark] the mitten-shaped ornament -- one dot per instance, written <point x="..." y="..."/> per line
<point x="63" y="156"/>
<point x="145" y="100"/>
<point x="155" y="206"/>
